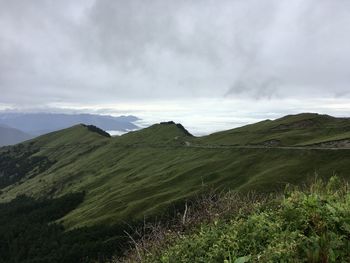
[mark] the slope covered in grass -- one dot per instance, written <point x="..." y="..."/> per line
<point x="34" y="163"/>
<point x="301" y="129"/>
<point x="29" y="233"/>
<point x="307" y="225"/>
<point x="143" y="172"/>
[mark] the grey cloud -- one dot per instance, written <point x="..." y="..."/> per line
<point x="108" y="51"/>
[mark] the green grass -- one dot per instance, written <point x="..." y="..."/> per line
<point x="291" y="130"/>
<point x="303" y="225"/>
<point x="143" y="172"/>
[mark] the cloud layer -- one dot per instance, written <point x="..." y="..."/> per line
<point x="106" y="51"/>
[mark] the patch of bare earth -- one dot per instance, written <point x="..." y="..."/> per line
<point x="271" y="143"/>
<point x="334" y="144"/>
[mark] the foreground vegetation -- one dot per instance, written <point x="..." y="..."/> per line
<point x="302" y="225"/>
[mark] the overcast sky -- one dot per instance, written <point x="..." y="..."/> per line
<point x="108" y="54"/>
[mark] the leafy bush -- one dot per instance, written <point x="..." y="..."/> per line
<point x="310" y="225"/>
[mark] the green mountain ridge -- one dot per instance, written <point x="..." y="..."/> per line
<point x="291" y="130"/>
<point x="142" y="173"/>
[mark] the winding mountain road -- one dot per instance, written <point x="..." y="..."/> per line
<point x="202" y="146"/>
<point x="213" y="146"/>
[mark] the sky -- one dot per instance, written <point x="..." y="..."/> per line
<point x="208" y="64"/>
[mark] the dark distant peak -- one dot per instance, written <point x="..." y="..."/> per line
<point x="4" y="126"/>
<point x="128" y="118"/>
<point x="42" y="123"/>
<point x="167" y="123"/>
<point x="178" y="125"/>
<point x="95" y="129"/>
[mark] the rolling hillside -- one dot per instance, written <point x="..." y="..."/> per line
<point x="292" y="130"/>
<point x="143" y="172"/>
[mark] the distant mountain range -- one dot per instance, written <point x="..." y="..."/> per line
<point x="9" y="136"/>
<point x="17" y="127"/>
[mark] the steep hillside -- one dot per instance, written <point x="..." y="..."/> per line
<point x="157" y="134"/>
<point x="143" y="172"/>
<point x="22" y="163"/>
<point x="9" y="136"/>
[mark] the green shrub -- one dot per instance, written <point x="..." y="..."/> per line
<point x="304" y="226"/>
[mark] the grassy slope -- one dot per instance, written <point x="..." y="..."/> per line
<point x="143" y="172"/>
<point x="301" y="129"/>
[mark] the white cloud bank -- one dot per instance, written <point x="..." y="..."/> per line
<point x="204" y="116"/>
<point x="209" y="64"/>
